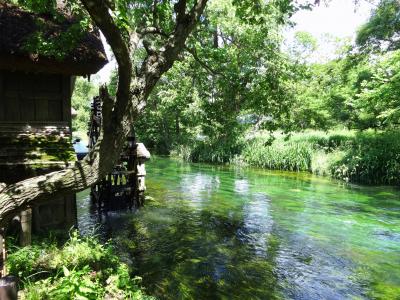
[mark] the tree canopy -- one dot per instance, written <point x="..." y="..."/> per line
<point x="237" y="77"/>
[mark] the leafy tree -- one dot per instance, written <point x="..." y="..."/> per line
<point x="84" y="91"/>
<point x="303" y="47"/>
<point x="381" y="32"/>
<point x="227" y="85"/>
<point x="378" y="101"/>
<point x="234" y="69"/>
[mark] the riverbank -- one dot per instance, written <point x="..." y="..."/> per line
<point x="80" y="268"/>
<point x="367" y="157"/>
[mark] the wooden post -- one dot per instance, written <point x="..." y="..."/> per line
<point x="2" y="254"/>
<point x="142" y="154"/>
<point x="140" y="181"/>
<point x="70" y="211"/>
<point x="8" y="288"/>
<point x="25" y="238"/>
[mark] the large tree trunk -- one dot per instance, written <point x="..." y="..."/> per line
<point x="119" y="114"/>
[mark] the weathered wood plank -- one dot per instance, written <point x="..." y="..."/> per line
<point x="27" y="107"/>
<point x="66" y="100"/>
<point x="55" y="110"/>
<point x="11" y="105"/>
<point x="42" y="110"/>
<point x="25" y="238"/>
<point x="34" y="97"/>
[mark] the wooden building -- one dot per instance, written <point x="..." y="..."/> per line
<point x="36" y="85"/>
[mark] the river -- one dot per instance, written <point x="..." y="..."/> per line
<point x="220" y="232"/>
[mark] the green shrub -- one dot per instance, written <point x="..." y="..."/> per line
<point x="328" y="141"/>
<point x="82" y="268"/>
<point x="371" y="158"/>
<point x="23" y="262"/>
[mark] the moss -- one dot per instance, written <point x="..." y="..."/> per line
<point x="41" y="148"/>
<point x="24" y="156"/>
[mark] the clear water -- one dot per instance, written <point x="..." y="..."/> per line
<point x="213" y="232"/>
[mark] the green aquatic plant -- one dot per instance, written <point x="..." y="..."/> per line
<point x="280" y="155"/>
<point x="221" y="232"/>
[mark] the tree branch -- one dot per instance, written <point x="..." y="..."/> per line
<point x="193" y="52"/>
<point x="106" y="151"/>
<point x="132" y="92"/>
<point x="154" y="13"/>
<point x="157" y="64"/>
<point x="152" y="30"/>
<point x="180" y="10"/>
<point x="120" y="47"/>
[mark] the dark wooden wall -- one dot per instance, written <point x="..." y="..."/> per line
<point x="30" y="98"/>
<point x="42" y="101"/>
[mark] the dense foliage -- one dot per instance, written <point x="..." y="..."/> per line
<point x="237" y="80"/>
<point x="82" y="268"/>
<point x="233" y="69"/>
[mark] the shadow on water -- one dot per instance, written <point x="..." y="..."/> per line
<point x="216" y="232"/>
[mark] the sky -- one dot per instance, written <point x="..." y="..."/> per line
<point x="340" y="18"/>
<point x="104" y="74"/>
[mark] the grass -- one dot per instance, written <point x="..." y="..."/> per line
<point x="82" y="268"/>
<point x="280" y="155"/>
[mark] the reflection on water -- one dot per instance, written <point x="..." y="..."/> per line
<point x="225" y="233"/>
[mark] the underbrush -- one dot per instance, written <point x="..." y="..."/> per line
<point x="82" y="268"/>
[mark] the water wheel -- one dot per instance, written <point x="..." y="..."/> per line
<point x="120" y="188"/>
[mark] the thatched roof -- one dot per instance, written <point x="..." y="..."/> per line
<point x="18" y="27"/>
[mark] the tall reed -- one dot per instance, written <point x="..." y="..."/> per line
<point x="369" y="157"/>
<point x="365" y="157"/>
